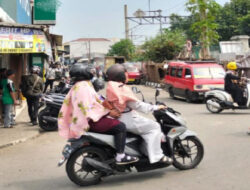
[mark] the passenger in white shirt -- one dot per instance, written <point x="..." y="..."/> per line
<point x="50" y="78"/>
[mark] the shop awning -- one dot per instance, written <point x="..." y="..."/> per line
<point x="58" y="39"/>
<point x="17" y="38"/>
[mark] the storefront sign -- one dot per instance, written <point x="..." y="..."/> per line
<point x="45" y="12"/>
<point x="22" y="40"/>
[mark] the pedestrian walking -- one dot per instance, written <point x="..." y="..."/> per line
<point x="8" y="98"/>
<point x="34" y="91"/>
<point x="50" y="77"/>
<point x="58" y="71"/>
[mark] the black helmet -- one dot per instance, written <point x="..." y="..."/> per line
<point x="80" y="72"/>
<point x="116" y="73"/>
<point x="98" y="84"/>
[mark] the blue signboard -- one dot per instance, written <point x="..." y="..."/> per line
<point x="20" y="31"/>
<point x="23" y="12"/>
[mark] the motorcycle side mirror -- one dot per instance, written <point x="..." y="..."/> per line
<point x="135" y="90"/>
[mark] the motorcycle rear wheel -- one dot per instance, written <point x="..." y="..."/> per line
<point x="75" y="165"/>
<point x="180" y="157"/>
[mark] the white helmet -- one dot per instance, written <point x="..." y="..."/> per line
<point x="35" y="69"/>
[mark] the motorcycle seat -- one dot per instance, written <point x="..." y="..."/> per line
<point x="110" y="137"/>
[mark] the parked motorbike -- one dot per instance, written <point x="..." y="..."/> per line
<point x="62" y="88"/>
<point x="218" y="100"/>
<point x="92" y="157"/>
<point x="47" y="117"/>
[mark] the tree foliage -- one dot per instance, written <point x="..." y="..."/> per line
<point x="245" y="24"/>
<point x="185" y="24"/>
<point x="204" y="25"/>
<point x="124" y="48"/>
<point x="231" y="19"/>
<point x="164" y="47"/>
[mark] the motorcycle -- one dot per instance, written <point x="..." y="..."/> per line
<point x="92" y="157"/>
<point x="47" y="117"/>
<point x="62" y="88"/>
<point x="218" y="100"/>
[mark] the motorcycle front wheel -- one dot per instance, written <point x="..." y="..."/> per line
<point x="79" y="172"/>
<point x="211" y="108"/>
<point x="188" y="153"/>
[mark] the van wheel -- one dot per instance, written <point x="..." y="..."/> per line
<point x="171" y="92"/>
<point x="188" y="96"/>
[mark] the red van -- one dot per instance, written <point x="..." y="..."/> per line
<point x="191" y="80"/>
<point x="134" y="75"/>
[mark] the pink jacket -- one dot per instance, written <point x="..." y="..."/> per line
<point x="81" y="104"/>
<point x="119" y="95"/>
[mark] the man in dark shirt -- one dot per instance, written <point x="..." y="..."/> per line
<point x="231" y="86"/>
<point x="34" y="90"/>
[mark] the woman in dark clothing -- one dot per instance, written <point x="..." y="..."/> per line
<point x="231" y="86"/>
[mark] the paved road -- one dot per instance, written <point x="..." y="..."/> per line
<point x="226" y="166"/>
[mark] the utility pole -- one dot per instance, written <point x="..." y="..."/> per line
<point x="89" y="54"/>
<point x="160" y="21"/>
<point x="126" y="21"/>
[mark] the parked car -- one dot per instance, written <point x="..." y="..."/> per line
<point x="134" y="75"/>
<point x="191" y="80"/>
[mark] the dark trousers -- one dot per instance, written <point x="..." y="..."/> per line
<point x="33" y="105"/>
<point x="112" y="127"/>
<point x="119" y="132"/>
<point x="48" y="83"/>
<point x="237" y="94"/>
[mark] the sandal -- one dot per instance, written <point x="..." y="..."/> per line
<point x="166" y="160"/>
<point x="127" y="160"/>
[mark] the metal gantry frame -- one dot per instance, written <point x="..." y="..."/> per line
<point x="145" y="18"/>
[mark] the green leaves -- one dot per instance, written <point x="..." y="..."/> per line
<point x="164" y="47"/>
<point x="123" y="48"/>
<point x="245" y="24"/>
<point x="233" y="20"/>
<point x="204" y="26"/>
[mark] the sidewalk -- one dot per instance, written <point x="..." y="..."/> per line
<point x="21" y="132"/>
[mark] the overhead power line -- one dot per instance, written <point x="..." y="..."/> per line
<point x="145" y="18"/>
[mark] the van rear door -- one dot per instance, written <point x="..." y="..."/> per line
<point x="178" y="84"/>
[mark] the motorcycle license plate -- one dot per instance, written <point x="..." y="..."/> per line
<point x="67" y="150"/>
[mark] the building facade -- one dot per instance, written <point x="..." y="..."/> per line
<point x="22" y="45"/>
<point x="94" y="49"/>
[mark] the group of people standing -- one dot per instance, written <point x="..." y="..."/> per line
<point x="53" y="73"/>
<point x="32" y="86"/>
